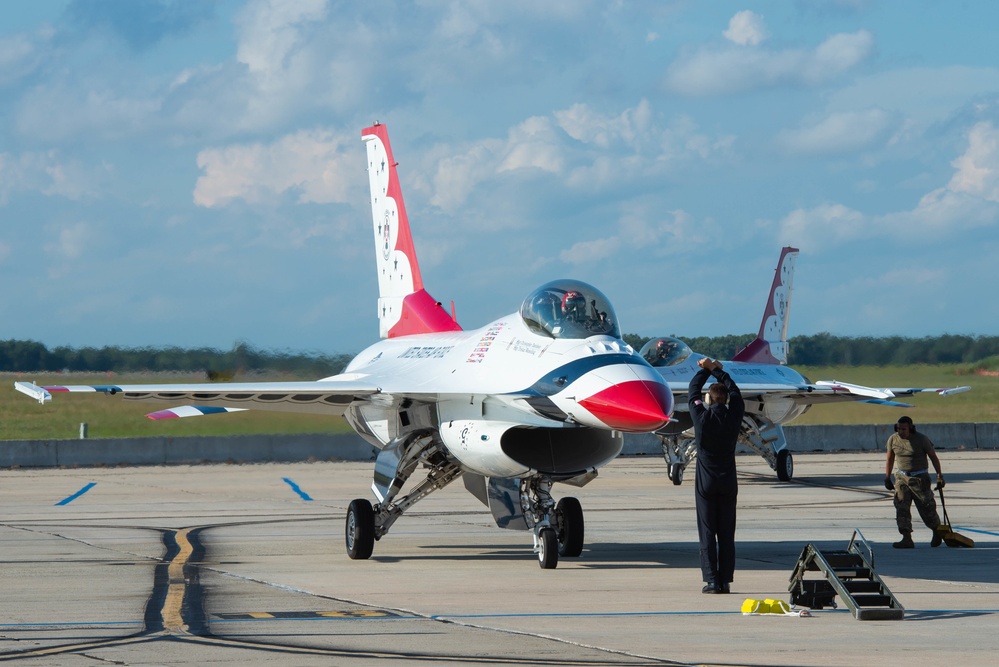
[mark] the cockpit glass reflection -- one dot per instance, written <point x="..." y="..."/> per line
<point x="569" y="309"/>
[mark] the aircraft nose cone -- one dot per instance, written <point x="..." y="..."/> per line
<point x="638" y="406"/>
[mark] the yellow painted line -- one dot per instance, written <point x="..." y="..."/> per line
<point x="353" y="614"/>
<point x="173" y="621"/>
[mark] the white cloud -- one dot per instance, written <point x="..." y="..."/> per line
<point x="967" y="202"/>
<point x="284" y="65"/>
<point x="632" y="146"/>
<point x="733" y="70"/>
<point x="924" y="94"/>
<point x="283" y="58"/>
<point x="313" y="163"/>
<point x="17" y="58"/>
<point x="586" y="252"/>
<point x="834" y="222"/>
<point x="532" y="145"/>
<point x="99" y="111"/>
<point x="746" y="28"/>
<point x="456" y="176"/>
<point x="46" y="173"/>
<point x="642" y="227"/>
<point x="70" y="242"/>
<point x="584" y="124"/>
<point x="271" y="33"/>
<point x="606" y="149"/>
<point x="842" y="132"/>
<point x="978" y="169"/>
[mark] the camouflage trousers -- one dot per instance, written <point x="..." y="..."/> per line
<point x="918" y="489"/>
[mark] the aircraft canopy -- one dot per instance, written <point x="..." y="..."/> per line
<point x="569" y="309"/>
<point x="665" y="351"/>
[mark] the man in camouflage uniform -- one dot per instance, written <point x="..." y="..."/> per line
<point x="911" y="482"/>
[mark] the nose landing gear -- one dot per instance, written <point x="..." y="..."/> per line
<point x="558" y="528"/>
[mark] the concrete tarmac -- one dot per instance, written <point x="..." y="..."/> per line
<point x="245" y="564"/>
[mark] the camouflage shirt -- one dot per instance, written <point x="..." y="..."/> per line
<point x="910" y="455"/>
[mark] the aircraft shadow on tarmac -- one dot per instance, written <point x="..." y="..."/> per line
<point x="923" y="562"/>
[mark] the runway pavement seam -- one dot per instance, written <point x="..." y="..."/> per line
<point x="451" y="620"/>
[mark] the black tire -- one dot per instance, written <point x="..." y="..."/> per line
<point x="359" y="529"/>
<point x="548" y="552"/>
<point x="569" y="514"/>
<point x="785" y="465"/>
<point x="676" y="473"/>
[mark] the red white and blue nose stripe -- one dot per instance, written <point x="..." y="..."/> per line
<point x="624" y="397"/>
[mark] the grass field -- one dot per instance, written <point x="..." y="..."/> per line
<point x="111" y="417"/>
<point x="981" y="404"/>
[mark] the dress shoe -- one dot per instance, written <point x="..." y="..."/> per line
<point x="904" y="543"/>
<point x="722" y="588"/>
<point x="710" y="588"/>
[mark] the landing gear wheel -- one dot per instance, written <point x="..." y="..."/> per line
<point x="359" y="529"/>
<point x="675" y="473"/>
<point x="785" y="465"/>
<point x="548" y="551"/>
<point x="569" y="514"/>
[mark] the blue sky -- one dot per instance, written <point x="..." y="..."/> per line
<point x="191" y="173"/>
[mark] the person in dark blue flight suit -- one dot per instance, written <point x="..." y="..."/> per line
<point x="716" y="430"/>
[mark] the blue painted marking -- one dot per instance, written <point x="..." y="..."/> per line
<point x="618" y="614"/>
<point x="294" y="487"/>
<point x="27" y="626"/>
<point x="574" y="370"/>
<point x="210" y="409"/>
<point x="980" y="532"/>
<point x="68" y="500"/>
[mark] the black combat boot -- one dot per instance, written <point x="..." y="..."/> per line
<point x="938" y="536"/>
<point x="905" y="543"/>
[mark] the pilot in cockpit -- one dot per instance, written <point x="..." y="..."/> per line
<point x="568" y="309"/>
<point x="666" y="350"/>
<point x="574" y="306"/>
<point x="574" y="309"/>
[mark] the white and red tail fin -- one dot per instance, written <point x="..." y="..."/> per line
<point x="404" y="307"/>
<point x="770" y="346"/>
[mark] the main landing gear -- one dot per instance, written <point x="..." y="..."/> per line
<point x="763" y="437"/>
<point x="557" y="527"/>
<point x="360" y="529"/>
<point x="394" y="465"/>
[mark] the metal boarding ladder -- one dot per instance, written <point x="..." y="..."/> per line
<point x="849" y="574"/>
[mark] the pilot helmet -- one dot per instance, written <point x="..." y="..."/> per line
<point x="573" y="304"/>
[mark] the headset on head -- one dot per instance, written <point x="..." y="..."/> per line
<point x="905" y="420"/>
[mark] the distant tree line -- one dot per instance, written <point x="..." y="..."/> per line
<point x="819" y="350"/>
<point x="827" y="350"/>
<point x="21" y="355"/>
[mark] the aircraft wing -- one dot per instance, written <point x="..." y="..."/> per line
<point x="329" y="396"/>
<point x="824" y="391"/>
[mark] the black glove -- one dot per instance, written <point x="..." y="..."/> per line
<point x="889" y="483"/>
<point x="940" y="483"/>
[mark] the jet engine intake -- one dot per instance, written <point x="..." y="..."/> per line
<point x="562" y="452"/>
